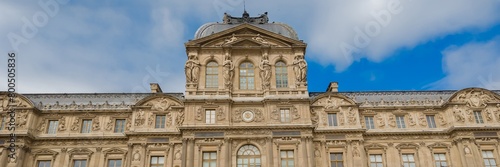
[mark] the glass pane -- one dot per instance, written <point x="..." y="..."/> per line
<point x="206" y="164"/>
<point x="154" y="160"/>
<point x="161" y="160"/>
<point x="410" y="157"/>
<point x="486" y="162"/>
<point x="492" y="162"/>
<point x="379" y="158"/>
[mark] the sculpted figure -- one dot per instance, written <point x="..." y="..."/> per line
<point x="265" y="72"/>
<point x="192" y="69"/>
<point x="459" y="116"/>
<point x="300" y="68"/>
<point x="4" y="103"/>
<point x="228" y="72"/>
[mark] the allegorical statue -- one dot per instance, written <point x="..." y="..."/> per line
<point x="228" y="71"/>
<point x="265" y="72"/>
<point x="192" y="69"/>
<point x="300" y="69"/>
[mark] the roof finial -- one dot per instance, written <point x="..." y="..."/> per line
<point x="244" y="6"/>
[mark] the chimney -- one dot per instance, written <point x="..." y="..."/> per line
<point x="155" y="88"/>
<point x="333" y="87"/>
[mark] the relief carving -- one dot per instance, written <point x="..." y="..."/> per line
<point x="62" y="124"/>
<point x="161" y="105"/>
<point x="22" y="119"/>
<point x="42" y="126"/>
<point x="139" y="118"/>
<point x="265" y="71"/>
<point x="459" y="115"/>
<point x="411" y="120"/>
<point x="192" y="69"/>
<point x="421" y="120"/>
<point x="151" y="119"/>
<point x="128" y="124"/>
<point x="275" y="114"/>
<point x="380" y="120"/>
<point x="295" y="113"/>
<point x="314" y="117"/>
<point x="180" y="119"/>
<point x="489" y="115"/>
<point x="474" y="98"/>
<point x="221" y="115"/>
<point x="300" y="69"/>
<point x="96" y="125"/>
<point x="470" y="116"/>
<point x="168" y="119"/>
<point x="392" y="120"/>
<point x="351" y="117"/>
<point x="4" y="103"/>
<point x="199" y="114"/>
<point x="228" y="70"/>
<point x="341" y="119"/>
<point x="442" y="119"/>
<point x="76" y="125"/>
<point x="498" y="112"/>
<point x="137" y="156"/>
<point x="333" y="104"/>
<point x="109" y="125"/>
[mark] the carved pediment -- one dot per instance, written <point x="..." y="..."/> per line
<point x="375" y="146"/>
<point x="407" y="146"/>
<point x="332" y="102"/>
<point x="80" y="151"/>
<point x="114" y="151"/>
<point x="475" y="97"/>
<point x="19" y="101"/>
<point x="246" y="39"/>
<point x="45" y="152"/>
<point x="162" y="103"/>
<point x="438" y="145"/>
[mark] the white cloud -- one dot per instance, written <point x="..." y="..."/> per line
<point x="471" y="65"/>
<point x="416" y="23"/>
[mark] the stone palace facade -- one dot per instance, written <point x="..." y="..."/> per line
<point x="247" y="105"/>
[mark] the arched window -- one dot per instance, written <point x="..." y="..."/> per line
<point x="281" y="75"/>
<point x="247" y="76"/>
<point x="248" y="156"/>
<point x="212" y="75"/>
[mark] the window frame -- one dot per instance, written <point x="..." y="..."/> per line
<point x="210" y="118"/>
<point x="478" y="117"/>
<point x="404" y="162"/>
<point x="212" y="75"/>
<point x="255" y="157"/>
<point x="400" y="122"/>
<point x="203" y="160"/>
<point x="494" y="158"/>
<point x="376" y="163"/>
<point x="333" y="119"/>
<point x="246" y="74"/>
<point x="122" y="127"/>
<point x="286" y="158"/>
<point x="431" y="123"/>
<point x="369" y="122"/>
<point x="440" y="161"/>
<point x="162" y="124"/>
<point x="73" y="164"/>
<point x="281" y="73"/>
<point x="86" y="127"/>
<point x="285" y="115"/>
<point x="336" y="161"/>
<point x="150" y="164"/>
<point x="52" y="129"/>
<point x="38" y="163"/>
<point x="112" y="159"/>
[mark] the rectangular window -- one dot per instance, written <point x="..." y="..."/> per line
<point x="281" y="75"/>
<point x="369" y="123"/>
<point x="285" y="115"/>
<point x="400" y="121"/>
<point x="212" y="75"/>
<point x="210" y="116"/>
<point x="376" y="160"/>
<point x="408" y="160"/>
<point x="287" y="159"/>
<point x="115" y="163"/>
<point x="87" y="126"/>
<point x="44" y="163"/>
<point x="479" y="117"/>
<point x="209" y="159"/>
<point x="52" y="127"/>
<point x="80" y="163"/>
<point x="157" y="161"/>
<point x="120" y="126"/>
<point x="336" y="160"/>
<point x="160" y="122"/>
<point x="332" y="120"/>
<point x="430" y="121"/>
<point x="489" y="159"/>
<point x="440" y="160"/>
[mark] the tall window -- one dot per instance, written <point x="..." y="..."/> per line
<point x="212" y="75"/>
<point x="440" y="160"/>
<point x="52" y="127"/>
<point x="87" y="126"/>
<point x="376" y="160"/>
<point x="160" y="121"/>
<point x="80" y="163"/>
<point x="332" y="120"/>
<point x="285" y="115"/>
<point x="430" y="121"/>
<point x="369" y="123"/>
<point x="247" y="76"/>
<point x="248" y="156"/>
<point x="210" y="116"/>
<point x="115" y="163"/>
<point x="45" y="163"/>
<point x="119" y="125"/>
<point x="336" y="160"/>
<point x="408" y="160"/>
<point x="209" y="159"/>
<point x="281" y="75"/>
<point x="400" y="121"/>
<point x="479" y="117"/>
<point x="157" y="161"/>
<point x="287" y="159"/>
<point x="489" y="159"/>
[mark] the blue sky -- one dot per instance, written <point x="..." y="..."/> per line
<point x="122" y="46"/>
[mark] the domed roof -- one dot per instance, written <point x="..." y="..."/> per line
<point x="262" y="22"/>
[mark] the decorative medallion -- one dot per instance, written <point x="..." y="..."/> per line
<point x="248" y="116"/>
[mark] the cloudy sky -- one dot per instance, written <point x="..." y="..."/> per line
<point x="67" y="46"/>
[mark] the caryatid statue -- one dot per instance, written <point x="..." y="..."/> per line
<point x="300" y="69"/>
<point x="192" y="70"/>
<point x="228" y="70"/>
<point x="265" y="72"/>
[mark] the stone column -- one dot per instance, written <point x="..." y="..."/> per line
<point x="190" y="153"/>
<point x="184" y="151"/>
<point x="310" y="151"/>
<point x="304" y="151"/>
<point x="228" y="142"/>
